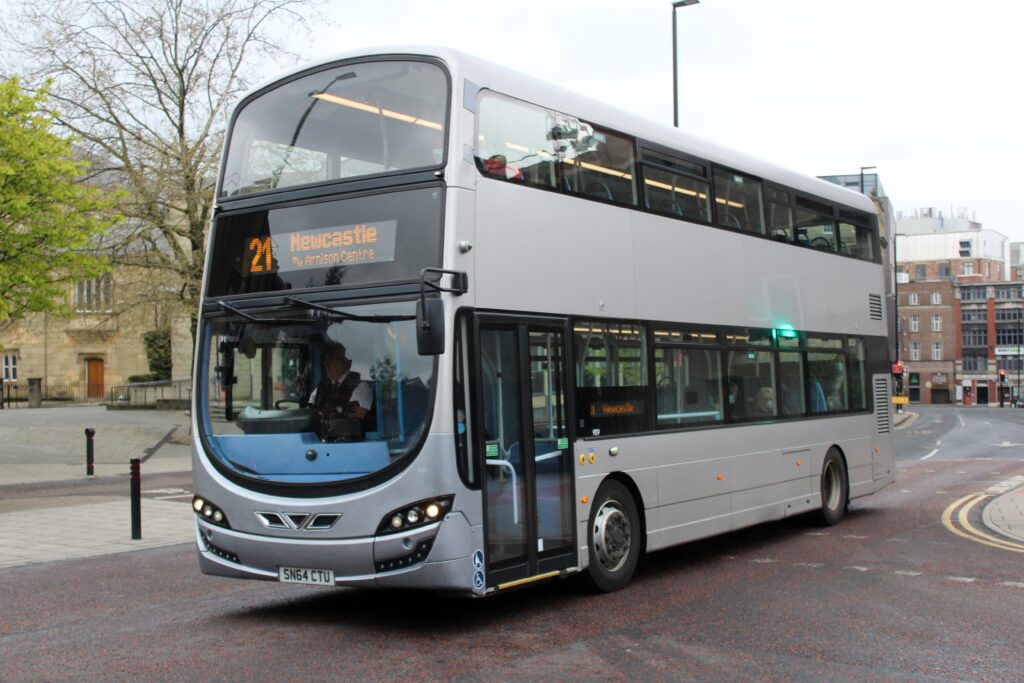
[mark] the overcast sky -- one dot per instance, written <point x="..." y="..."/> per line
<point x="929" y="91"/>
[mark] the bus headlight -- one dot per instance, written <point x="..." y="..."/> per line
<point x="210" y="512"/>
<point x="416" y="515"/>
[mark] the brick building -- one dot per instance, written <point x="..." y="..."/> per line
<point x="990" y="340"/>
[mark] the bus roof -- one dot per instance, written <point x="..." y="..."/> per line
<point x="489" y="75"/>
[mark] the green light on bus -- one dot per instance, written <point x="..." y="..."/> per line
<point x="786" y="332"/>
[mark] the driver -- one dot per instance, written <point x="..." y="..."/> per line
<point x="342" y="400"/>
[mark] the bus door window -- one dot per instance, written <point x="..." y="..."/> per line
<point x="552" y="469"/>
<point x="501" y="422"/>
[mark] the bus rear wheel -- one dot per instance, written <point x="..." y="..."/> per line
<point x="835" y="488"/>
<point x="613" y="538"/>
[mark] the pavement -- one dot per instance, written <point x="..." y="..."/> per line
<point x="51" y="511"/>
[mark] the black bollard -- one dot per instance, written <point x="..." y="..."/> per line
<point x="136" y="465"/>
<point x="89" y="458"/>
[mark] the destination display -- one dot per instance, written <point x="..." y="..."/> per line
<point x="342" y="242"/>
<point x="322" y="247"/>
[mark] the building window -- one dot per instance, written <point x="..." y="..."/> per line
<point x="95" y="296"/>
<point x="913" y="299"/>
<point x="1007" y="336"/>
<point x="944" y="270"/>
<point x="10" y="367"/>
<point x="975" y="363"/>
<point x="968" y="268"/>
<point x="937" y="350"/>
<point x="974" y="337"/>
<point x="937" y="323"/>
<point x="920" y="272"/>
<point x="915" y="323"/>
<point x="915" y="350"/>
<point x="965" y="248"/>
<point x="936" y="299"/>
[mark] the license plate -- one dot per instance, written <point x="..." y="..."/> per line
<point x="315" y="577"/>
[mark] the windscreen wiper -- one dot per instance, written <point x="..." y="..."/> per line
<point x="292" y="301"/>
<point x="269" y="319"/>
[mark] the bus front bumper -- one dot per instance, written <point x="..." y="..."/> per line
<point x="434" y="556"/>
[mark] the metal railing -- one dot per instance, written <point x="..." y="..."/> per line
<point x="150" y="394"/>
<point x="52" y="394"/>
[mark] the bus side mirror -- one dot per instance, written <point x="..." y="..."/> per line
<point x="430" y="327"/>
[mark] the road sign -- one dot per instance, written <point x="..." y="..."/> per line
<point x="901" y="400"/>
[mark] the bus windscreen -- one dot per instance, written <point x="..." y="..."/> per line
<point x="350" y="121"/>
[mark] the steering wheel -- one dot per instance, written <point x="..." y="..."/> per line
<point x="821" y="242"/>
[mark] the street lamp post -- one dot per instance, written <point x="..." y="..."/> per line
<point x="675" y="59"/>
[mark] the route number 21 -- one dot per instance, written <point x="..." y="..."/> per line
<point x="262" y="256"/>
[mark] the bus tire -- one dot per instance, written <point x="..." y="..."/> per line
<point x="835" y="488"/>
<point x="614" y="538"/>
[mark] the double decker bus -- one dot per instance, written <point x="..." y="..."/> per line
<point x="464" y="330"/>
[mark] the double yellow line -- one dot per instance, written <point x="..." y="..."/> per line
<point x="962" y="526"/>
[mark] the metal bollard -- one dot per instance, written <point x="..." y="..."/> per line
<point x="89" y="457"/>
<point x="136" y="465"/>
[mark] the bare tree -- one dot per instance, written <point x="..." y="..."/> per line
<point x="145" y="86"/>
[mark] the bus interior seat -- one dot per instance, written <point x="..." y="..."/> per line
<point x="599" y="189"/>
<point x="730" y="221"/>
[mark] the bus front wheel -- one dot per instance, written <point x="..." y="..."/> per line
<point x="613" y="538"/>
<point x="835" y="488"/>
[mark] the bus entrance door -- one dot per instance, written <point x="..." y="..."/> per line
<point x="523" y="441"/>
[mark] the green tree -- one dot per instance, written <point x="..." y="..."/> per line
<point x="146" y="87"/>
<point x="49" y="219"/>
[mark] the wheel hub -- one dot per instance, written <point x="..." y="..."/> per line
<point x="612" y="536"/>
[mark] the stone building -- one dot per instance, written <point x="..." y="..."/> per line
<point x="98" y="345"/>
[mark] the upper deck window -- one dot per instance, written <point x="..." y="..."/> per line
<point x="346" y="122"/>
<point x="528" y="144"/>
<point x="738" y="200"/>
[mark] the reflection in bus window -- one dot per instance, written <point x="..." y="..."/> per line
<point x="602" y="167"/>
<point x="513" y="141"/>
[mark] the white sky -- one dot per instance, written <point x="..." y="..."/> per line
<point x="929" y="91"/>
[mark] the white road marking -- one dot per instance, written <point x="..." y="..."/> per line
<point x="942" y="493"/>
<point x="1007" y="485"/>
<point x="727" y="557"/>
<point x="857" y="536"/>
<point x="961" y="579"/>
<point x="811" y="565"/>
<point x="961" y="418"/>
<point x="817" y="533"/>
<point x="905" y="572"/>
<point x="858" y="569"/>
<point x="1012" y="584"/>
<point x="764" y="560"/>
<point x="930" y="454"/>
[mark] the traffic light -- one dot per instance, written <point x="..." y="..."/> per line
<point x="1002" y="376"/>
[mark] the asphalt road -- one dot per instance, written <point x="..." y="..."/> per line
<point x="889" y="594"/>
<point x="949" y="432"/>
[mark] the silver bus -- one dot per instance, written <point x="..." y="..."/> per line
<point x="464" y="330"/>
